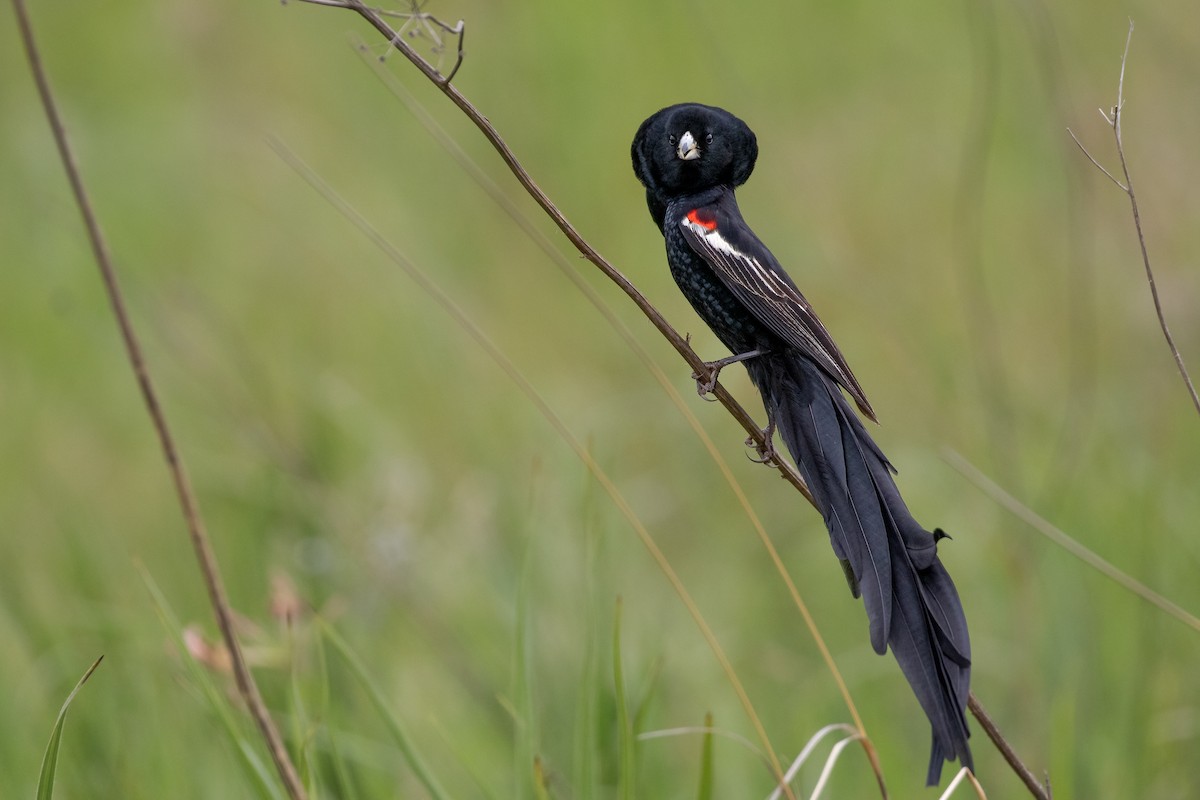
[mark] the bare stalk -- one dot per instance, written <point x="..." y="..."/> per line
<point x="680" y="343"/>
<point x="1036" y="788"/>
<point x="1114" y="121"/>
<point x="133" y="349"/>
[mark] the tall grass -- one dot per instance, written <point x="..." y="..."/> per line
<point x="342" y="429"/>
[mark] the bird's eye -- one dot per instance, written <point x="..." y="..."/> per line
<point x="672" y="139"/>
<point x="708" y="139"/>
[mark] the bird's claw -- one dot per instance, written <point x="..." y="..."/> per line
<point x="705" y="385"/>
<point x="765" y="453"/>
<point x="766" y="448"/>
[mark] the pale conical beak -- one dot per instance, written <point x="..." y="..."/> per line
<point x="688" y="149"/>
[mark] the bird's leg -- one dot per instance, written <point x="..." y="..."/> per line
<point x="704" y="385"/>
<point x="766" y="450"/>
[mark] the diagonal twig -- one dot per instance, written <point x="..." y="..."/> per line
<point x="428" y="23"/>
<point x="585" y="248"/>
<point x="1036" y="788"/>
<point x="183" y="489"/>
<point x="1097" y="164"/>
<point x="681" y="345"/>
<point x="1113" y="119"/>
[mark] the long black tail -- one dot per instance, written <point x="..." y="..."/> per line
<point x="910" y="600"/>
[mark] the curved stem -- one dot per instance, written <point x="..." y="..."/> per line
<point x="183" y="488"/>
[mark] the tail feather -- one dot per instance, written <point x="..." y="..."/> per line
<point x="910" y="600"/>
<point x="856" y="529"/>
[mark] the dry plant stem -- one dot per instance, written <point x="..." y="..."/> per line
<point x="1036" y="788"/>
<point x="678" y="342"/>
<point x="187" y="499"/>
<point x="964" y="774"/>
<point x="1114" y="121"/>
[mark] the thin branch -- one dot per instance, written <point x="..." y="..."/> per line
<point x="1098" y="165"/>
<point x="1114" y="121"/>
<point x="680" y="344"/>
<point x="426" y="19"/>
<point x="1121" y="79"/>
<point x="1038" y="789"/>
<point x="133" y="349"/>
<point x="485" y="127"/>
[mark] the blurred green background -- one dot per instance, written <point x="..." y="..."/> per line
<point x="916" y="178"/>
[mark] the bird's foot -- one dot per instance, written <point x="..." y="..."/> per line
<point x="765" y="449"/>
<point x="706" y="383"/>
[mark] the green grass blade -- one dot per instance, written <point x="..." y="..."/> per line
<point x="650" y="682"/>
<point x="524" y="739"/>
<point x="303" y="729"/>
<point x="414" y="760"/>
<point x="591" y="687"/>
<point x="264" y="779"/>
<point x="625" y="768"/>
<point x="342" y="778"/>
<point x="45" y="788"/>
<point x="541" y="784"/>
<point x="346" y="786"/>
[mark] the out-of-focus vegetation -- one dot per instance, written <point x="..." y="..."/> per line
<point x="916" y="178"/>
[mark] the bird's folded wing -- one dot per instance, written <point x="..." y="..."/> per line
<point x="722" y="238"/>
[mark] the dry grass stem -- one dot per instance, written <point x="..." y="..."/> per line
<point x="1068" y="543"/>
<point x="1113" y="119"/>
<point x="187" y="499"/>
<point x="964" y="774"/>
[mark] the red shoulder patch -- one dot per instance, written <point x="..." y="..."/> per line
<point x="704" y="218"/>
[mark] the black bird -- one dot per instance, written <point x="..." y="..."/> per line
<point x="690" y="157"/>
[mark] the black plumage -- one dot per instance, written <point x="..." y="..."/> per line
<point x="690" y="158"/>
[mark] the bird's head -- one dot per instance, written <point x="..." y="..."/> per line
<point x="690" y="147"/>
